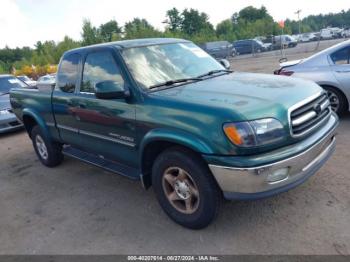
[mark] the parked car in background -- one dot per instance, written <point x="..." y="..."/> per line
<point x="249" y="46"/>
<point x="165" y="113"/>
<point x="337" y="32"/>
<point x="308" y="37"/>
<point x="219" y="49"/>
<point x="46" y="81"/>
<point x="346" y="33"/>
<point x="326" y="33"/>
<point x="27" y="80"/>
<point x="330" y="69"/>
<point x="297" y="37"/>
<point x="8" y="120"/>
<point x="285" y="41"/>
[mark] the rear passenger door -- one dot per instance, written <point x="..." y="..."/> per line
<point x="64" y="98"/>
<point x="106" y="126"/>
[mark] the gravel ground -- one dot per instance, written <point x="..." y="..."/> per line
<point x="79" y="209"/>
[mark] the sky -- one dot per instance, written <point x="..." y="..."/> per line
<point x="24" y="22"/>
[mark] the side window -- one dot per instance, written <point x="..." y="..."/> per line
<point x="342" y="56"/>
<point x="98" y="67"/>
<point x="68" y="73"/>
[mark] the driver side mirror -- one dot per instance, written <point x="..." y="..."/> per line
<point x="225" y="63"/>
<point x="110" y="90"/>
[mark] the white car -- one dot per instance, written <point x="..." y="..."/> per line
<point x="326" y="33"/>
<point x="330" y="69"/>
<point x="27" y="80"/>
<point x="46" y="82"/>
<point x="346" y="33"/>
<point x="307" y="37"/>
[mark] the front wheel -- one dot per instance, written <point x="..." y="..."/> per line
<point x="185" y="188"/>
<point x="48" y="152"/>
<point x="337" y="100"/>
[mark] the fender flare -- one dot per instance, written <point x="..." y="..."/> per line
<point x="36" y="116"/>
<point x="180" y="137"/>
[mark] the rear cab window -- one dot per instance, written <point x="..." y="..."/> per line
<point x="68" y="73"/>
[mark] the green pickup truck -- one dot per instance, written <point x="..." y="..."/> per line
<point x="164" y="112"/>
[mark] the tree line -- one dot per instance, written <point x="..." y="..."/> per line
<point x="189" y="24"/>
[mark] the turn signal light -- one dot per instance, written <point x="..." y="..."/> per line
<point x="232" y="133"/>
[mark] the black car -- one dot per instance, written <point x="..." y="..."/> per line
<point x="219" y="49"/>
<point x="248" y="46"/>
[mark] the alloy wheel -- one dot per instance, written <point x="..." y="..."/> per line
<point x="334" y="100"/>
<point x="40" y="145"/>
<point x="180" y="190"/>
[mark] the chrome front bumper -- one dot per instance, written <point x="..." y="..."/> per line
<point x="253" y="182"/>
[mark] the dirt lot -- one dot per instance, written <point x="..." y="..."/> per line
<point x="79" y="209"/>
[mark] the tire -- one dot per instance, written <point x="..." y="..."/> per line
<point x="48" y="152"/>
<point x="335" y="96"/>
<point x="186" y="168"/>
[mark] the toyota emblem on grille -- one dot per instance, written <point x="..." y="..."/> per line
<point x="317" y="108"/>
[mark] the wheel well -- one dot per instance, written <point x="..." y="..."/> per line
<point x="151" y="152"/>
<point x="29" y="122"/>
<point x="340" y="91"/>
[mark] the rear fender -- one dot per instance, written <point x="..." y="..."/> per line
<point x="39" y="120"/>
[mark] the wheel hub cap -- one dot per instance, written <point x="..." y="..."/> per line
<point x="182" y="189"/>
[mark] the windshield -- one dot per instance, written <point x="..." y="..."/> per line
<point x="156" y="64"/>
<point x="6" y="83"/>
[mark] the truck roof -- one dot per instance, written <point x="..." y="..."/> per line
<point x="133" y="43"/>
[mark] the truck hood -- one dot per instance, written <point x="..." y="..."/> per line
<point x="248" y="95"/>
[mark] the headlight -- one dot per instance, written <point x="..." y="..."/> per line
<point x="255" y="133"/>
<point x="4" y="112"/>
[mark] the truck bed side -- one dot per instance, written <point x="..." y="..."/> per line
<point x="33" y="106"/>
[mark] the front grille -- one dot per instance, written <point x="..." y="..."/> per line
<point x="309" y="115"/>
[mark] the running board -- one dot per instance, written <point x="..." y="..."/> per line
<point x="103" y="163"/>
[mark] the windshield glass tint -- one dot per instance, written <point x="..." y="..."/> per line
<point x="156" y="64"/>
<point x="6" y="83"/>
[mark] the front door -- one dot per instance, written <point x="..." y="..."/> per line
<point x="106" y="126"/>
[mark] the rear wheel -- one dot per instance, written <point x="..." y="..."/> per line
<point x="185" y="188"/>
<point x="48" y="152"/>
<point x="337" y="100"/>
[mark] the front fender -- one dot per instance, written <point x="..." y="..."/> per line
<point x="178" y="137"/>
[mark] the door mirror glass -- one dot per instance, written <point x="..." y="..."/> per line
<point x="225" y="63"/>
<point x="110" y="90"/>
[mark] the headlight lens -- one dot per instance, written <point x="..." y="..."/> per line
<point x="4" y="112"/>
<point x="255" y="133"/>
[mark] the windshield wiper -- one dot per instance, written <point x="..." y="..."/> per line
<point x="172" y="82"/>
<point x="212" y="72"/>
